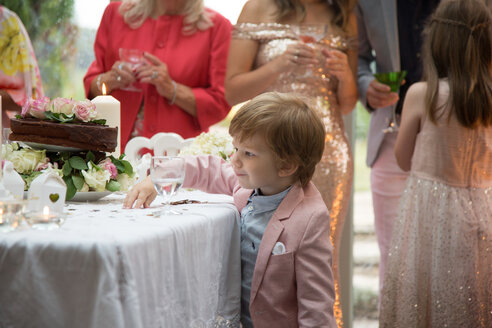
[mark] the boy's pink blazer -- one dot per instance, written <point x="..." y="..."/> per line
<point x="294" y="289"/>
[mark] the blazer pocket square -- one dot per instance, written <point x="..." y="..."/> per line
<point x="278" y="249"/>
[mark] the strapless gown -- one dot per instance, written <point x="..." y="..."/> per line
<point x="333" y="176"/>
<point x="439" y="271"/>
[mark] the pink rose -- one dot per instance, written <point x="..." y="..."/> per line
<point x="39" y="106"/>
<point x="26" y="107"/>
<point x="110" y="167"/>
<point x="84" y="110"/>
<point x="62" y="105"/>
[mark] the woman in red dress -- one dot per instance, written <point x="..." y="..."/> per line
<point x="180" y="78"/>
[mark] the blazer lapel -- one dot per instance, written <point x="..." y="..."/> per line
<point x="391" y="27"/>
<point x="272" y="234"/>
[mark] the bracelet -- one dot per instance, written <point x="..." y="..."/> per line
<point x="173" y="99"/>
<point x="98" y="82"/>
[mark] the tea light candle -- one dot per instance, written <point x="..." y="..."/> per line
<point x="46" y="214"/>
<point x="109" y="108"/>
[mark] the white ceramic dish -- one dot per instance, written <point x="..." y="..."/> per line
<point x="89" y="196"/>
<point x="54" y="148"/>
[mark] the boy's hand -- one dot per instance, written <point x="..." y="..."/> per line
<point x="141" y="195"/>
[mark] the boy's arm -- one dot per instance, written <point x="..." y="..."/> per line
<point x="315" y="286"/>
<point x="210" y="174"/>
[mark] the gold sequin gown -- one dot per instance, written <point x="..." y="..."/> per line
<point x="333" y="176"/>
<point x="439" y="271"/>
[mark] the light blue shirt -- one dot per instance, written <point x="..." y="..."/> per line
<point x="254" y="220"/>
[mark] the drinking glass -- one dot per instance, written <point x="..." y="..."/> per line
<point x="134" y="58"/>
<point x="393" y="80"/>
<point x="167" y="174"/>
<point x="311" y="34"/>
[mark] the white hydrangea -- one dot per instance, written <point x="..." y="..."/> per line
<point x="218" y="143"/>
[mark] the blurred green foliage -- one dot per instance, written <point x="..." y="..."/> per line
<point x="52" y="34"/>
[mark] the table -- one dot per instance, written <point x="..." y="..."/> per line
<point x="113" y="267"/>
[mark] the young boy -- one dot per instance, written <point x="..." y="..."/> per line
<point x="285" y="227"/>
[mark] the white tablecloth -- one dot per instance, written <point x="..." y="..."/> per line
<point x="109" y="267"/>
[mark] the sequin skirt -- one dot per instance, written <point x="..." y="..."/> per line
<point x="439" y="271"/>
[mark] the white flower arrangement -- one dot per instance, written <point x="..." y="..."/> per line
<point x="81" y="171"/>
<point x="215" y="142"/>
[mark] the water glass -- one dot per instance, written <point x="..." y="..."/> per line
<point x="167" y="174"/>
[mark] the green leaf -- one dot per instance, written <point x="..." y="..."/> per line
<point x="71" y="190"/>
<point x="78" y="182"/>
<point x="128" y="168"/>
<point x="113" y="185"/>
<point x="78" y="163"/>
<point x="66" y="169"/>
<point x="18" y="116"/>
<point x="90" y="156"/>
<point x="100" y="121"/>
<point x="59" y="117"/>
<point x="119" y="165"/>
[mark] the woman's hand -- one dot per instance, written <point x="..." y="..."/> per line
<point x="120" y="76"/>
<point x="298" y="54"/>
<point x="338" y="64"/>
<point x="141" y="195"/>
<point x="156" y="73"/>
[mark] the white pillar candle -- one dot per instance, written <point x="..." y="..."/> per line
<point x="109" y="108"/>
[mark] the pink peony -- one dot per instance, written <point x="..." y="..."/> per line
<point x="84" y="110"/>
<point x="62" y="105"/>
<point x="39" y="106"/>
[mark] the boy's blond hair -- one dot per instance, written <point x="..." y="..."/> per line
<point x="292" y="130"/>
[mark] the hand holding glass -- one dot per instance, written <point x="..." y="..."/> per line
<point x="393" y="80"/>
<point x="167" y="174"/>
<point x="311" y="34"/>
<point x="134" y="58"/>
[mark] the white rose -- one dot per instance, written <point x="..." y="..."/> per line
<point x="26" y="160"/>
<point x="62" y="105"/>
<point x="125" y="181"/>
<point x="96" y="178"/>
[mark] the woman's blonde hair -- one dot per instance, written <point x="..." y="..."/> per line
<point x="457" y="46"/>
<point x="292" y="130"/>
<point x="135" y="12"/>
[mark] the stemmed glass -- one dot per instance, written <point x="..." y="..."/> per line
<point x="134" y="58"/>
<point x="311" y="34"/>
<point x="393" y="80"/>
<point x="167" y="174"/>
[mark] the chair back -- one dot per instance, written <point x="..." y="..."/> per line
<point x="162" y="143"/>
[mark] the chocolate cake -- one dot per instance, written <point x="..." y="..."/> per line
<point x="87" y="136"/>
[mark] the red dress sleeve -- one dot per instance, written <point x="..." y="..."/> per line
<point x="211" y="105"/>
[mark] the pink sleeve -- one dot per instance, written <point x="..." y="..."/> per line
<point x="211" y="105"/>
<point x="210" y="174"/>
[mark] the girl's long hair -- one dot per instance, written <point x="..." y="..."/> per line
<point x="457" y="46"/>
<point x="342" y="9"/>
<point x="135" y="12"/>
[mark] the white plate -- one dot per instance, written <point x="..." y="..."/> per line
<point x="89" y="196"/>
<point x="48" y="147"/>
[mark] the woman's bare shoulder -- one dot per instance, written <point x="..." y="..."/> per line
<point x="258" y="11"/>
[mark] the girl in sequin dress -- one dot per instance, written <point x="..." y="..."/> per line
<point x="439" y="271"/>
<point x="307" y="47"/>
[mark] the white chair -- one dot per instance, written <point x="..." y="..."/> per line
<point x="162" y="143"/>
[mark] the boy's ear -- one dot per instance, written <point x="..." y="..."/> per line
<point x="287" y="169"/>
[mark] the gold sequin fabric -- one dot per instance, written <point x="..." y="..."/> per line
<point x="333" y="176"/>
<point x="439" y="271"/>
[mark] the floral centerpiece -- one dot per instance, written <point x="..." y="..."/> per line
<point x="81" y="171"/>
<point x="61" y="110"/>
<point x="218" y="143"/>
